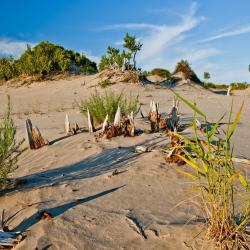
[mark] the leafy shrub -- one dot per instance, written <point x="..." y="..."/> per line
<point x="44" y="59"/>
<point x="9" y="149"/>
<point x="184" y="67"/>
<point x="220" y="185"/>
<point x="105" y="83"/>
<point x="211" y="85"/>
<point x="240" y="85"/>
<point x="7" y="69"/>
<point x="116" y="59"/>
<point x="164" y="73"/>
<point x="101" y="105"/>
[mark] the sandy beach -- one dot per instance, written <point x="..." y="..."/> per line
<point x="148" y="205"/>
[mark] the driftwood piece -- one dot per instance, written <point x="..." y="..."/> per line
<point x="126" y="127"/>
<point x="77" y="126"/>
<point x="154" y="116"/>
<point x="229" y="90"/>
<point x="10" y="239"/>
<point x="117" y="120"/>
<point x="28" y="126"/>
<point x="105" y="123"/>
<point x="35" y="138"/>
<point x="173" y="150"/>
<point x="67" y="125"/>
<point x="90" y="122"/>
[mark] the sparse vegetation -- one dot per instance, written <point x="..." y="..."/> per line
<point x="116" y="59"/>
<point x="45" y="59"/>
<point x="239" y="86"/>
<point x="184" y="67"/>
<point x="224" y="192"/>
<point x="164" y="73"/>
<point x="206" y="75"/>
<point x="9" y="149"/>
<point x="101" y="105"/>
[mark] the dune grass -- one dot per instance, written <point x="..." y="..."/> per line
<point x="224" y="192"/>
<point x="101" y="105"/>
<point x="9" y="149"/>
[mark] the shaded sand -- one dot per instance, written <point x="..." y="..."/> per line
<point x="148" y="205"/>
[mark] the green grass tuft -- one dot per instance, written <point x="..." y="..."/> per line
<point x="101" y="105"/>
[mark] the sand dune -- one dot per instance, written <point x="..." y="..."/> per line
<point x="147" y="206"/>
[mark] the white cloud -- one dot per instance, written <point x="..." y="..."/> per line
<point x="236" y="32"/>
<point x="196" y="55"/>
<point x="12" y="48"/>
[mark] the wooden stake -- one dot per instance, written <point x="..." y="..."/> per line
<point x="105" y="123"/>
<point x="67" y="125"/>
<point x="117" y="120"/>
<point x="35" y="138"/>
<point x="90" y="122"/>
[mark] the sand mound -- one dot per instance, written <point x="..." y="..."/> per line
<point x="115" y="76"/>
<point x="155" y="78"/>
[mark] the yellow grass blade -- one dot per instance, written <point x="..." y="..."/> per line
<point x="187" y="174"/>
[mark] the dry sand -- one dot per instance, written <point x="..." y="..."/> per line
<point x="147" y="206"/>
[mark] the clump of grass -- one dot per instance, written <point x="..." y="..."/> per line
<point x="101" y="105"/>
<point x="105" y="83"/>
<point x="220" y="185"/>
<point x="9" y="149"/>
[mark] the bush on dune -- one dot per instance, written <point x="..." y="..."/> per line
<point x="7" y="69"/>
<point x="184" y="67"/>
<point x="164" y="73"/>
<point x="101" y="105"/>
<point x="9" y="149"/>
<point x="45" y="59"/>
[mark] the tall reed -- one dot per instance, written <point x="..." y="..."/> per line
<point x="224" y="191"/>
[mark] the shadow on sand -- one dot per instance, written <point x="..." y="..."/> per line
<point x="57" y="211"/>
<point x="106" y="161"/>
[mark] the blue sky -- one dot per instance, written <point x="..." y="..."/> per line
<point x="214" y="35"/>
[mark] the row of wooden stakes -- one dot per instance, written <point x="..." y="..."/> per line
<point x="122" y="125"/>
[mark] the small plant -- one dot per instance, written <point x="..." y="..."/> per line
<point x="164" y="73"/>
<point x="221" y="187"/>
<point x="116" y="59"/>
<point x="105" y="83"/>
<point x="9" y="149"/>
<point x="101" y="105"/>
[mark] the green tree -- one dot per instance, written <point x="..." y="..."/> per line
<point x="206" y="75"/>
<point x="130" y="43"/>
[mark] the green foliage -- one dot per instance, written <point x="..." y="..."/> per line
<point x="7" y="69"/>
<point x="9" y="149"/>
<point x="101" y="105"/>
<point x="240" y="85"/>
<point x="45" y="59"/>
<point x="207" y="75"/>
<point x="133" y="47"/>
<point x="164" y="73"/>
<point x="211" y="85"/>
<point x="235" y="86"/>
<point x="116" y="59"/>
<point x="184" y="67"/>
<point x="219" y="184"/>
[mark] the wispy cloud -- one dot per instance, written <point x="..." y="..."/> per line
<point x="235" y="32"/>
<point x="12" y="48"/>
<point x="163" y="45"/>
